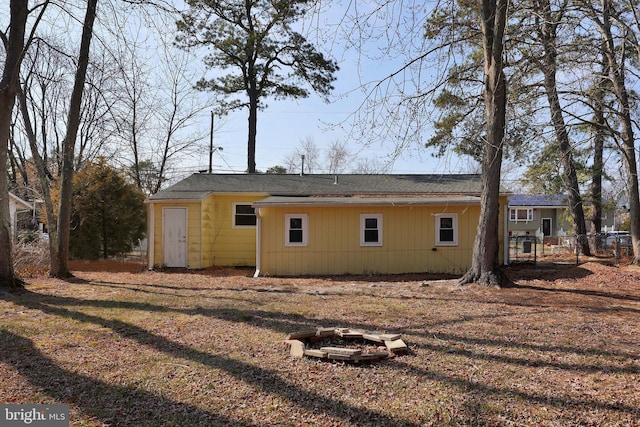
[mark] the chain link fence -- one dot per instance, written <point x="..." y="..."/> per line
<point x="614" y="247"/>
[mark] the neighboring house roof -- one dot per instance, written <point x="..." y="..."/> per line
<point x="539" y="200"/>
<point x="198" y="186"/>
<point x="18" y="201"/>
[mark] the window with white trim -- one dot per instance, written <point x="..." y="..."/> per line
<point x="244" y="215"/>
<point x="296" y="229"/>
<point x="370" y="229"/>
<point x="522" y="214"/>
<point x="447" y="229"/>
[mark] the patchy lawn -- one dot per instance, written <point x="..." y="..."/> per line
<point x="131" y="347"/>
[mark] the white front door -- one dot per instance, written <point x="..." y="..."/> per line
<point x="174" y="237"/>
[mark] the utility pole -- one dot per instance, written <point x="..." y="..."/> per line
<point x="211" y="145"/>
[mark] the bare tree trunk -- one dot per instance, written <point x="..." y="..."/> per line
<point x="616" y="71"/>
<point x="60" y="266"/>
<point x="598" y="159"/>
<point x="253" y="127"/>
<point x="8" y="88"/>
<point x="43" y="177"/>
<point x="570" y="176"/>
<point x="596" y="176"/>
<point x="485" y="265"/>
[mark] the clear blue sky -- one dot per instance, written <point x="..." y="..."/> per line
<point x="284" y="124"/>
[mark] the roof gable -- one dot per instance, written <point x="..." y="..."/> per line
<point x="18" y="201"/>
<point x="198" y="186"/>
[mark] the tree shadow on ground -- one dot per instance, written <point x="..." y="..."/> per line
<point x="455" y="344"/>
<point x="492" y="392"/>
<point x="585" y="292"/>
<point x="366" y="278"/>
<point x="548" y="272"/>
<point x="98" y="399"/>
<point x="278" y="321"/>
<point x="268" y="381"/>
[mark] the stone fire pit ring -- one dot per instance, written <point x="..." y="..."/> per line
<point x="389" y="345"/>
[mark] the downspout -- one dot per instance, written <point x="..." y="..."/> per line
<point x="150" y="236"/>
<point x="258" y="233"/>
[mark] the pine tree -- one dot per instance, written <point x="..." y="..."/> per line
<point x="255" y="42"/>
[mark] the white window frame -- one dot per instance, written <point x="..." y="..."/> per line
<point x="305" y="229"/>
<point x="363" y="229"/>
<point x="454" y="225"/>
<point x="234" y="213"/>
<point x="513" y="214"/>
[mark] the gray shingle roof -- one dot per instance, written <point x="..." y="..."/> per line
<point x="198" y="186"/>
<point x="555" y="200"/>
<point x="368" y="201"/>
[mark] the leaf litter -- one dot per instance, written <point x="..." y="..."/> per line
<point x="123" y="346"/>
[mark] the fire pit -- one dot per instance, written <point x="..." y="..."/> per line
<point x="311" y="343"/>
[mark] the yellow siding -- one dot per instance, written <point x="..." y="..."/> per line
<point x="194" y="235"/>
<point x="231" y="245"/>
<point x="208" y="221"/>
<point x="334" y="241"/>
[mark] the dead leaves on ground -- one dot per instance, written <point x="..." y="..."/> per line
<point x="206" y="348"/>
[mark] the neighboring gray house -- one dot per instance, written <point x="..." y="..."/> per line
<point x="538" y="215"/>
<point x="545" y="215"/>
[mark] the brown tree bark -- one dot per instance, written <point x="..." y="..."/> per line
<point x="570" y="176"/>
<point x="60" y="265"/>
<point x="485" y="268"/>
<point x="43" y="177"/>
<point x="253" y="130"/>
<point x="616" y="71"/>
<point x="598" y="157"/>
<point x="9" y="84"/>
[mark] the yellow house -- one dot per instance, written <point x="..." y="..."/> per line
<point x="287" y="225"/>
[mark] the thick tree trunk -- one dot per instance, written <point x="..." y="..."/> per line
<point x="61" y="267"/>
<point x="485" y="265"/>
<point x="598" y="169"/>
<point x="569" y="176"/>
<point x="253" y="130"/>
<point x="8" y="89"/>
<point x="598" y="158"/>
<point x="624" y="115"/>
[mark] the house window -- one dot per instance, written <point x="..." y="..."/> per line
<point x="243" y="215"/>
<point x="447" y="229"/>
<point x="521" y="214"/>
<point x="371" y="230"/>
<point x="296" y="229"/>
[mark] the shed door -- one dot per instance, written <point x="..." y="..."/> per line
<point x="174" y="237"/>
